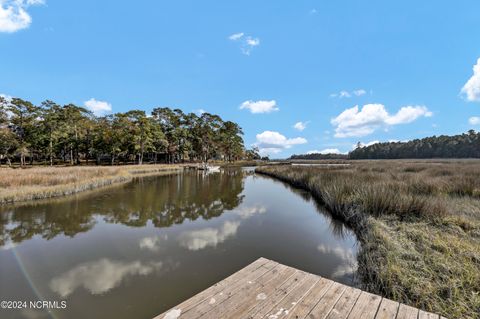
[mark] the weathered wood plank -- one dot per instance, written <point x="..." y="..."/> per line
<point x="323" y="307"/>
<point x="388" y="309"/>
<point x="303" y="308"/>
<point x="276" y="295"/>
<point x="266" y="289"/>
<point x="366" y="306"/>
<point x="250" y="294"/>
<point x="407" y="312"/>
<point x="279" y="306"/>
<point x="227" y="293"/>
<point x="427" y="315"/>
<point x="262" y="274"/>
<point x="345" y="304"/>
<point x="254" y="268"/>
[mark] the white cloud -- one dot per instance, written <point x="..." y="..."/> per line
<point x="354" y="146"/>
<point x="247" y="43"/>
<point x="236" y="36"/>
<point x="471" y="89"/>
<point x="313" y="11"/>
<point x="14" y="15"/>
<point x="300" y="126"/>
<point x="346" y="94"/>
<point x="256" y="107"/>
<point x="99" y="276"/>
<point x="354" y="122"/>
<point x="270" y="142"/>
<point x="253" y="42"/>
<point x="98" y="108"/>
<point x="340" y="94"/>
<point x="474" y="120"/>
<point x="408" y="114"/>
<point x="359" y="92"/>
<point x="325" y="151"/>
<point x="200" y="239"/>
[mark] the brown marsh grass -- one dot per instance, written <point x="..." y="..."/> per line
<point x="418" y="223"/>
<point x="18" y="185"/>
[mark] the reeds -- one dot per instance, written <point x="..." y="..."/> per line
<point x="418" y="224"/>
<point x="18" y="185"/>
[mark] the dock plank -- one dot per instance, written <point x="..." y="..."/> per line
<point x="281" y="308"/>
<point x="267" y="289"/>
<point x="249" y="295"/>
<point x="323" y="307"/>
<point x="427" y="315"/>
<point x="212" y="302"/>
<point x="270" y="298"/>
<point x="303" y="308"/>
<point x="250" y="270"/>
<point x="407" y="312"/>
<point x="388" y="309"/>
<point x="345" y="304"/>
<point x="244" y="286"/>
<point x="366" y="306"/>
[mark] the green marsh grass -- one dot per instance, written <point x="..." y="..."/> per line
<point x="20" y="185"/>
<point x="418" y="223"/>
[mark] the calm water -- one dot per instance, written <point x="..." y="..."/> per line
<point x="133" y="251"/>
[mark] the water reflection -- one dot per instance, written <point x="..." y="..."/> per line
<point x="99" y="276"/>
<point x="199" y="239"/>
<point x="165" y="201"/>
<point x="138" y="249"/>
<point x="152" y="243"/>
<point x="336" y="226"/>
<point x="348" y="267"/>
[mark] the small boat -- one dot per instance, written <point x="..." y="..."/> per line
<point x="213" y="168"/>
<point x="206" y="167"/>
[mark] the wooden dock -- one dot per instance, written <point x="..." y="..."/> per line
<point x="267" y="289"/>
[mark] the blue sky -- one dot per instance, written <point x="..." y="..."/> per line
<point x="348" y="71"/>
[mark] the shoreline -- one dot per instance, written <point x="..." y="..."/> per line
<point x="416" y="258"/>
<point x="91" y="180"/>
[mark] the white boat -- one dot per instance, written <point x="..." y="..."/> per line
<point x="213" y="168"/>
<point x="206" y="167"/>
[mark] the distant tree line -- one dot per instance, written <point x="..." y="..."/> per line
<point x="318" y="156"/>
<point x="466" y="145"/>
<point x="53" y="134"/>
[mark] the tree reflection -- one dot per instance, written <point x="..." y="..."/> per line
<point x="164" y="201"/>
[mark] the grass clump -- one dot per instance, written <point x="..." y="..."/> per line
<point x="418" y="224"/>
<point x="19" y="185"/>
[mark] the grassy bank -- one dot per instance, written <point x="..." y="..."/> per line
<point x="19" y="185"/>
<point x="418" y="223"/>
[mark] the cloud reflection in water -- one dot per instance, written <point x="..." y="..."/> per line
<point x="99" y="276"/>
<point x="211" y="237"/>
<point x="346" y="255"/>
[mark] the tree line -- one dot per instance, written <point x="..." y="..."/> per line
<point x="466" y="145"/>
<point x="51" y="133"/>
<point x="318" y="156"/>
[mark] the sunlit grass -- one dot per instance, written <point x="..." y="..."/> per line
<point x="17" y="185"/>
<point x="418" y="223"/>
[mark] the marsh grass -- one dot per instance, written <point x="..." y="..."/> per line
<point x="418" y="224"/>
<point x="19" y="185"/>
